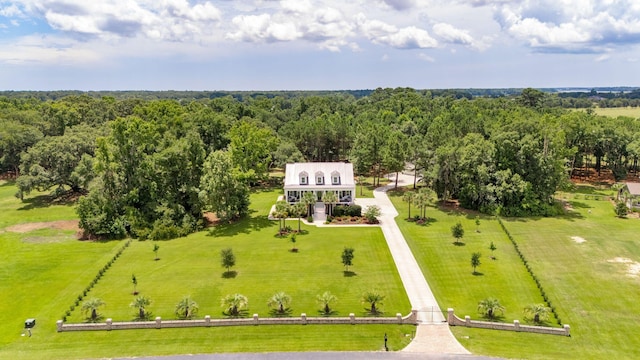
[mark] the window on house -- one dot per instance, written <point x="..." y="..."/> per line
<point x="335" y="180"/>
<point x="319" y="180"/>
<point x="303" y="180"/>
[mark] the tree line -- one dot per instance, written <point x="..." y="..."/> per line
<point x="149" y="168"/>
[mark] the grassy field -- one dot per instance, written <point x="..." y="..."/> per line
<point x="633" y="112"/>
<point x="43" y="272"/>
<point x="592" y="284"/>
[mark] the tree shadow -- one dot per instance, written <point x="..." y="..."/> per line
<point x="494" y="318"/>
<point x="277" y="313"/>
<point x="459" y="243"/>
<point x="36" y="202"/>
<point x="147" y="317"/>
<point x="348" y="273"/>
<point x="425" y="222"/>
<point x="477" y="273"/>
<point x="579" y="205"/>
<point x="244" y="226"/>
<point x="229" y="274"/>
<point x="368" y="312"/>
<point x="240" y="314"/>
<point x="330" y="313"/>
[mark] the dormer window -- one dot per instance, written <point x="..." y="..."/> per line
<point x="304" y="178"/>
<point x="319" y="178"/>
<point x="335" y="178"/>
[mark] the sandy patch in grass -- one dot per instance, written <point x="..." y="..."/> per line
<point x="58" y="225"/>
<point x="578" y="239"/>
<point x="633" y="267"/>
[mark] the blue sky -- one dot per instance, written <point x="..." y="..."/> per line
<point x="317" y="45"/>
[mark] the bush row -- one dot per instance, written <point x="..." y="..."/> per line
<point x="347" y="210"/>
<point x="95" y="281"/>
<point x="533" y="275"/>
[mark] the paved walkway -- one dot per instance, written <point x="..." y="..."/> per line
<point x="432" y="335"/>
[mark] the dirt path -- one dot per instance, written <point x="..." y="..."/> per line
<point x="58" y="225"/>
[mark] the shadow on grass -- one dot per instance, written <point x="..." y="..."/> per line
<point x="495" y="318"/>
<point x="579" y="205"/>
<point x="239" y="315"/>
<point x="229" y="274"/>
<point x="244" y="226"/>
<point x="277" y="313"/>
<point x="327" y="314"/>
<point x="369" y="313"/>
<point x="477" y="273"/>
<point x="348" y="273"/>
<point x="459" y="243"/>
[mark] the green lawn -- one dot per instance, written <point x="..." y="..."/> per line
<point x="633" y="112"/>
<point x="45" y="270"/>
<point x="591" y="291"/>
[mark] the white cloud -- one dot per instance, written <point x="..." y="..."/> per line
<point x="259" y="28"/>
<point x="425" y="57"/>
<point x="452" y="34"/>
<point x="409" y="38"/>
<point x="603" y="57"/>
<point x="400" y="4"/>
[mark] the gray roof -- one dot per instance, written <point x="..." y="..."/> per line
<point x="292" y="173"/>
<point x="634" y="188"/>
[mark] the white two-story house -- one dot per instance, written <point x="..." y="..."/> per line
<point x="320" y="177"/>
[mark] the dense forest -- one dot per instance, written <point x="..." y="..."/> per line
<point x="148" y="167"/>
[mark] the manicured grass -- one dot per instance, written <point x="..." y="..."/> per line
<point x="591" y="292"/>
<point x="41" y="279"/>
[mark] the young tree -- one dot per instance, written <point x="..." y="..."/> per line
<point x="477" y="224"/>
<point x="475" y="261"/>
<point x="227" y="258"/>
<point x="134" y="281"/>
<point x="186" y="308"/>
<point x="457" y="232"/>
<point x="281" y="213"/>
<point x="280" y="301"/>
<point x="234" y="304"/>
<point x="374" y="299"/>
<point x="91" y="307"/>
<point x="409" y="197"/>
<point x="347" y="257"/>
<point x="621" y="209"/>
<point x="141" y="303"/>
<point x="422" y="200"/>
<point x="156" y="247"/>
<point x="492" y="247"/>
<point x="371" y="214"/>
<point x="537" y="312"/>
<point x="489" y="307"/>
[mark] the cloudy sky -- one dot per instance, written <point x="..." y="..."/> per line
<point x="317" y="44"/>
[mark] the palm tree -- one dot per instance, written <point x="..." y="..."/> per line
<point x="489" y="307"/>
<point x="281" y="213"/>
<point x="141" y="303"/>
<point x="326" y="299"/>
<point x="234" y="303"/>
<point x="373" y="298"/>
<point x="408" y="197"/>
<point x="425" y="197"/>
<point x="91" y="306"/>
<point x="539" y="312"/>
<point x="330" y="198"/>
<point x="280" y="301"/>
<point x="298" y="210"/>
<point x="309" y="199"/>
<point x="186" y="308"/>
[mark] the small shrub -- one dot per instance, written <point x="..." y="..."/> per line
<point x="310" y="219"/>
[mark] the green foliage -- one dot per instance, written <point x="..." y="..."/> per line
<point x="475" y="261"/>
<point x="251" y="145"/>
<point x="90" y="307"/>
<point x="186" y="308"/>
<point x="234" y="304"/>
<point x="280" y="302"/>
<point x="326" y="300"/>
<point x="347" y="257"/>
<point x="347" y="210"/>
<point x="489" y="307"/>
<point x="371" y="214"/>
<point x="538" y="313"/>
<point x="222" y="190"/>
<point x="621" y="209"/>
<point x="227" y="258"/>
<point x="457" y="231"/>
<point x="156" y="248"/>
<point x="374" y="299"/>
<point x="141" y="303"/>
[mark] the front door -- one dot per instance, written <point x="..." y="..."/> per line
<point x="319" y="194"/>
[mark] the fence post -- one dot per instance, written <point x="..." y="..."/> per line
<point x="207" y="320"/>
<point x="109" y="324"/>
<point x="352" y="317"/>
<point x="567" y="329"/>
<point x="158" y="322"/>
<point x="255" y="319"/>
<point x="59" y="325"/>
<point x="516" y="324"/>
